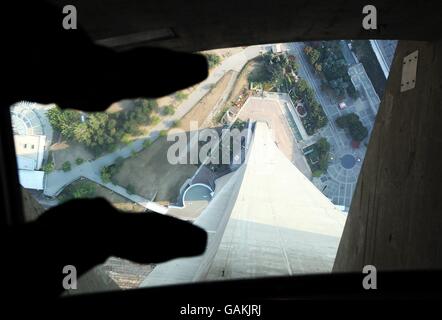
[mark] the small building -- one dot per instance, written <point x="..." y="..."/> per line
<point x="30" y="153"/>
<point x="31" y="179"/>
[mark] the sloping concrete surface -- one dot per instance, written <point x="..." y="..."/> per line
<point x="268" y="219"/>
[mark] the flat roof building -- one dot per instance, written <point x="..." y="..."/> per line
<point x="30" y="151"/>
<point x="31" y="179"/>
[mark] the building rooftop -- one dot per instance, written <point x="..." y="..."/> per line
<point x="30" y="151"/>
<point x="31" y="179"/>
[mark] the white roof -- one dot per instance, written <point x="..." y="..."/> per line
<point x="30" y="179"/>
<point x="29" y="150"/>
<point x="276" y="48"/>
<point x="26" y="163"/>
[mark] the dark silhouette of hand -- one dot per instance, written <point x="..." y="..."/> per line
<point x="47" y="64"/>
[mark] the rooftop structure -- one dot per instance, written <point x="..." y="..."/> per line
<point x="30" y="141"/>
<point x="31" y="179"/>
<point x="30" y="151"/>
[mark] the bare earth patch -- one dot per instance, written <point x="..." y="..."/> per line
<point x="203" y="111"/>
<point x="69" y="151"/>
<point x="150" y="173"/>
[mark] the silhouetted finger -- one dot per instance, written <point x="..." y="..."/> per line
<point x="92" y="230"/>
<point x="48" y="64"/>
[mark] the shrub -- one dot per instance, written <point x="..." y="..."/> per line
<point x="48" y="167"/>
<point x="154" y="120"/>
<point x="180" y="96"/>
<point x="219" y="116"/>
<point x="79" y="161"/>
<point x="147" y="143"/>
<point x="126" y="138"/>
<point x="106" y="174"/>
<point x="163" y="133"/>
<point x="176" y="123"/>
<point x="212" y="59"/>
<point x="168" y="110"/>
<point x="66" y="166"/>
<point x="78" y="190"/>
<point x="317" y="173"/>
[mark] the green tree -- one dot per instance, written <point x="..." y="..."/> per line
<point x="302" y="85"/>
<point x="212" y="59"/>
<point x="48" y="167"/>
<point x="111" y="170"/>
<point x="79" y="161"/>
<point x="180" y="96"/>
<point x="83" y="134"/>
<point x="353" y="125"/>
<point x="65" y="121"/>
<point x="80" y="189"/>
<point x="106" y="174"/>
<point x="147" y="143"/>
<point x="155" y="120"/>
<point x="130" y="189"/>
<point x="168" y="110"/>
<point x="66" y="166"/>
<point x="314" y="56"/>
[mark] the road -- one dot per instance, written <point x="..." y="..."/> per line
<point x="57" y="180"/>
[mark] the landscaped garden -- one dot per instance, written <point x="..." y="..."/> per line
<point x="279" y="73"/>
<point x="327" y="59"/>
<point x="104" y="131"/>
<point x="353" y="126"/>
<point x="275" y="72"/>
<point x="315" y="117"/>
<point x="317" y="156"/>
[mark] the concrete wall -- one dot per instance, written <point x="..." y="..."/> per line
<point x="395" y="219"/>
